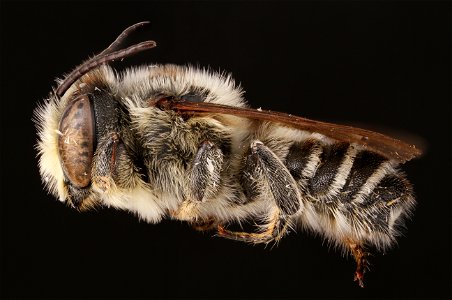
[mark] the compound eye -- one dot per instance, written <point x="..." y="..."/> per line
<point x="76" y="141"/>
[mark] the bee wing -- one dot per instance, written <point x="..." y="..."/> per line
<point x="374" y="141"/>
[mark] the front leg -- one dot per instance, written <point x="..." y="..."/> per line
<point x="263" y="172"/>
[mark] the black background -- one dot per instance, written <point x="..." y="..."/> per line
<point x="384" y="64"/>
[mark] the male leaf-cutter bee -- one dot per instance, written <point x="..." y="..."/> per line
<point x="167" y="141"/>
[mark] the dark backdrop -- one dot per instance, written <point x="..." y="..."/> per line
<point x="384" y="64"/>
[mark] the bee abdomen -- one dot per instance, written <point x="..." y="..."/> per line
<point x="367" y="170"/>
<point x="388" y="200"/>
<point x="333" y="169"/>
<point x="337" y="171"/>
<point x="302" y="160"/>
<point x="321" y="170"/>
<point x="343" y="182"/>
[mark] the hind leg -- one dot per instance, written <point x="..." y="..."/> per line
<point x="273" y="230"/>
<point x="362" y="264"/>
<point x="267" y="176"/>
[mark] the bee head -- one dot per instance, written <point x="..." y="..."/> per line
<point x="71" y="130"/>
<point x="77" y="113"/>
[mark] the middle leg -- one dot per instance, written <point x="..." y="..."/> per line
<point x="205" y="172"/>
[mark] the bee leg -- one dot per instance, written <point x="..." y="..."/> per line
<point x="362" y="263"/>
<point x="204" y="225"/>
<point x="103" y="179"/>
<point x="277" y="177"/>
<point x="271" y="175"/>
<point x="205" y="172"/>
<point x="272" y="231"/>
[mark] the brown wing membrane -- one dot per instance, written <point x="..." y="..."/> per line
<point x="377" y="142"/>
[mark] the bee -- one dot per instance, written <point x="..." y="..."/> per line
<point x="178" y="142"/>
